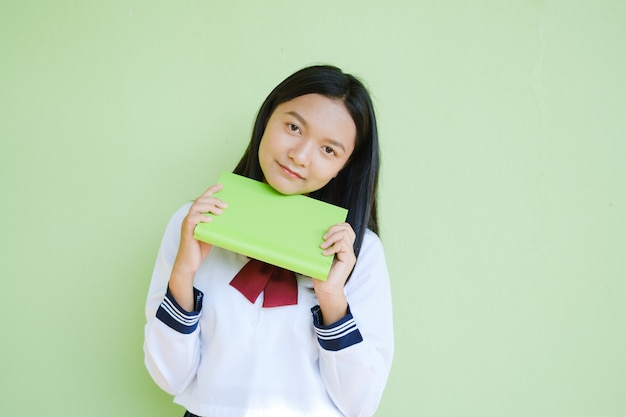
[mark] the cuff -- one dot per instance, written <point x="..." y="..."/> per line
<point x="340" y="335"/>
<point x="175" y="317"/>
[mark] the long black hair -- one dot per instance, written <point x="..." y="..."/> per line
<point x="355" y="187"/>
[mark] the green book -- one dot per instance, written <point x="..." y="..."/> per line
<point x="261" y="223"/>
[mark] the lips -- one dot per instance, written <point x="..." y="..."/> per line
<point x="290" y="172"/>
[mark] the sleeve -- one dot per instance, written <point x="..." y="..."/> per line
<point x="171" y="339"/>
<point x="356" y="352"/>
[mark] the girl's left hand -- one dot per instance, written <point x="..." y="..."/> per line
<point x="338" y="241"/>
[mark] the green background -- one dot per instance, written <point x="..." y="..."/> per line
<point x="503" y="194"/>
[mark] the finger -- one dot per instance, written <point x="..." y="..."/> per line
<point x="191" y="221"/>
<point x="204" y="206"/>
<point x="335" y="240"/>
<point x="339" y="228"/>
<point x="212" y="190"/>
<point x="338" y="243"/>
<point x="337" y="233"/>
<point x="208" y="204"/>
<point x="336" y="248"/>
<point x="208" y="198"/>
<point x="332" y="239"/>
<point x="195" y="218"/>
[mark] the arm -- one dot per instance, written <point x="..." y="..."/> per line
<point x="356" y="351"/>
<point x="172" y="344"/>
<point x="171" y="357"/>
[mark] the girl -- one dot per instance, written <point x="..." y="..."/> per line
<point x="327" y="352"/>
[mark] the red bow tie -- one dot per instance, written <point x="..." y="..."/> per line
<point x="280" y="285"/>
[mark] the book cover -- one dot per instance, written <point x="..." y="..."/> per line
<point x="261" y="223"/>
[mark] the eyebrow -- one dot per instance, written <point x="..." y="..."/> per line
<point x="297" y="116"/>
<point x="305" y="124"/>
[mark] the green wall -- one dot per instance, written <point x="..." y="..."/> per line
<point x="503" y="194"/>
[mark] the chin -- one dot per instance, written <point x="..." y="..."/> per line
<point x="286" y="189"/>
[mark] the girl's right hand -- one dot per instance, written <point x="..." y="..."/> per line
<point x="191" y="252"/>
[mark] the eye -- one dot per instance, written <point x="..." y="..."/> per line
<point x="293" y="128"/>
<point x="328" y="150"/>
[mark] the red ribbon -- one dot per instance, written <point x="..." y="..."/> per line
<point x="280" y="286"/>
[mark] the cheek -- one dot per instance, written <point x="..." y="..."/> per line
<point x="263" y="158"/>
<point x="270" y="142"/>
<point x="332" y="169"/>
<point x="264" y="148"/>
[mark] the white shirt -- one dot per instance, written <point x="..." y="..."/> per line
<point x="233" y="358"/>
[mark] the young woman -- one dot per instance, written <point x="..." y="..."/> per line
<point x="329" y="351"/>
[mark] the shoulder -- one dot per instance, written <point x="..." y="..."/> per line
<point x="176" y="219"/>
<point x="372" y="255"/>
<point x="181" y="212"/>
<point x="171" y="236"/>
<point x="370" y="277"/>
<point x="371" y="244"/>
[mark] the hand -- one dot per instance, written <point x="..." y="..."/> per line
<point x="191" y="252"/>
<point x="338" y="241"/>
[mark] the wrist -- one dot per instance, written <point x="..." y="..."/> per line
<point x="333" y="306"/>
<point x="181" y="288"/>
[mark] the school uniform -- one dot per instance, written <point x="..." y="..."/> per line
<point x="234" y="358"/>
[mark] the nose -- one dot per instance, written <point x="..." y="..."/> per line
<point x="300" y="152"/>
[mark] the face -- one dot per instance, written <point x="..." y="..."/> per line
<point x="306" y="142"/>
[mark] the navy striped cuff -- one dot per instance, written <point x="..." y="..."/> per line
<point x="337" y="336"/>
<point x="174" y="316"/>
